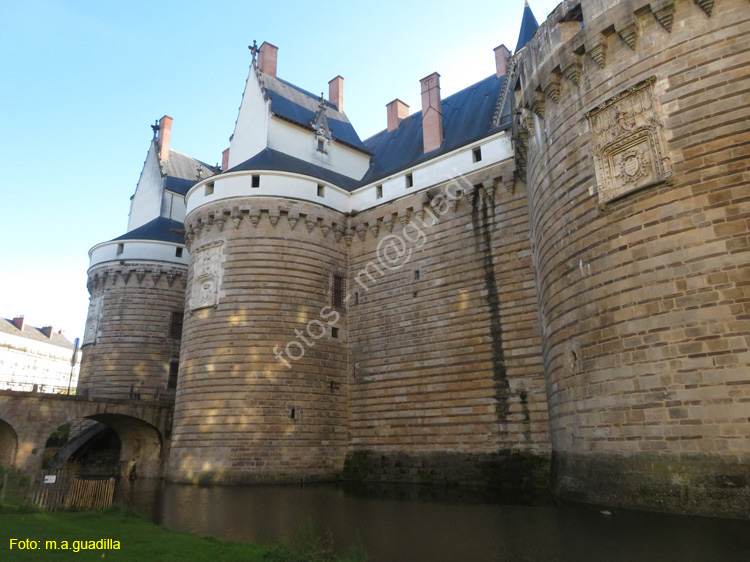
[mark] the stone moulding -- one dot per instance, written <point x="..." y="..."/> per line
<point x="628" y="144"/>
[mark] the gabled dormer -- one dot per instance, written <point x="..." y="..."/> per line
<point x="278" y="115"/>
<point x="166" y="177"/>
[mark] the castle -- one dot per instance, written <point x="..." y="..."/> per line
<point x="541" y="279"/>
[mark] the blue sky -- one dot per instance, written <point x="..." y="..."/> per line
<point x="83" y="80"/>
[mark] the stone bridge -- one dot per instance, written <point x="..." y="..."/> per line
<point x="27" y="419"/>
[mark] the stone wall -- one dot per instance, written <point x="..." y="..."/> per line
<point x="445" y="350"/>
<point x="129" y="345"/>
<point x="633" y="135"/>
<point x="261" y="277"/>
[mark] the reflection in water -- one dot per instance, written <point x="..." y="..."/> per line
<point x="405" y="527"/>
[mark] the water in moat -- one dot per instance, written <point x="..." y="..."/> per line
<point x="420" y="524"/>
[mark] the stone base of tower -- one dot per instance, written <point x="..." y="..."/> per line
<point x="691" y="484"/>
<point x="507" y="470"/>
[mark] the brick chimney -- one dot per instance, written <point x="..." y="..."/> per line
<point x="336" y="92"/>
<point x="432" y="113"/>
<point x="225" y="160"/>
<point x="502" y="58"/>
<point x="162" y="140"/>
<point x="396" y="110"/>
<point x="47" y="331"/>
<point x="18" y="322"/>
<point x="267" y="58"/>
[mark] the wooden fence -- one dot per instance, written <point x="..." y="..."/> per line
<point x="60" y="490"/>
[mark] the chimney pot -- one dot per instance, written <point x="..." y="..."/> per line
<point x="396" y="110"/>
<point x="432" y="113"/>
<point x="502" y="58"/>
<point x="162" y="140"/>
<point x="336" y="92"/>
<point x="225" y="160"/>
<point x="267" y="58"/>
<point x="47" y="331"/>
<point x="18" y="322"/>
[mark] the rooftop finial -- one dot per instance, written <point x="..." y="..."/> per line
<point x="200" y="172"/>
<point x="526" y="4"/>
<point x="254" y="49"/>
<point x="155" y="128"/>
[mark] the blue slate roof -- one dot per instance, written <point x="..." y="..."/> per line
<point x="300" y="106"/>
<point x="529" y="26"/>
<point x="467" y="117"/>
<point x="161" y="229"/>
<point x="270" y="159"/>
<point x="180" y="172"/>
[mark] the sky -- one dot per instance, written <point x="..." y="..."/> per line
<point x="81" y="81"/>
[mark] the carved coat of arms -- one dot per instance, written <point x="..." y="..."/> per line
<point x="628" y="143"/>
<point x="206" y="277"/>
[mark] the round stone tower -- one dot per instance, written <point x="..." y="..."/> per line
<point x="631" y="134"/>
<point x="131" y="344"/>
<point x="262" y="388"/>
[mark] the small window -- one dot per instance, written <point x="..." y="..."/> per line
<point x="321" y="146"/>
<point x="178" y="252"/>
<point x="335" y="333"/>
<point x="321" y="190"/>
<point x="175" y="326"/>
<point x="209" y="189"/>
<point x="409" y="180"/>
<point x="339" y="288"/>
<point x="174" y="369"/>
<point x="378" y="192"/>
<point x="120" y="249"/>
<point x="293" y="414"/>
<point x="477" y="154"/>
<point x="256" y="181"/>
<point x="356" y="297"/>
<point x="416" y="275"/>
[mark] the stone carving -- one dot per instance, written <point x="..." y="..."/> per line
<point x="628" y="142"/>
<point x="92" y="321"/>
<point x="206" y="277"/>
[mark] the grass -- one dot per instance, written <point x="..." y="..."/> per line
<point x="141" y="540"/>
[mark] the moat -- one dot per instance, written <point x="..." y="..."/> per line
<point x="421" y="524"/>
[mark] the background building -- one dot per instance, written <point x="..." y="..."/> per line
<point x="36" y="359"/>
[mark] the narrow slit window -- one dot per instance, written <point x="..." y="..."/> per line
<point x="416" y="275"/>
<point x="321" y="146"/>
<point x="321" y="190"/>
<point x="209" y="189"/>
<point x="178" y="252"/>
<point x="175" y="326"/>
<point x="477" y="154"/>
<point x="293" y="413"/>
<point x="339" y="288"/>
<point x="120" y="249"/>
<point x="255" y="182"/>
<point x="174" y="369"/>
<point x="335" y="333"/>
<point x="378" y="192"/>
<point x="409" y="180"/>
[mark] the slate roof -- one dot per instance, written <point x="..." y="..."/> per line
<point x="270" y="159"/>
<point x="181" y="170"/>
<point x="467" y="117"/>
<point x="31" y="333"/>
<point x="294" y="104"/>
<point x="161" y="229"/>
<point x="529" y="26"/>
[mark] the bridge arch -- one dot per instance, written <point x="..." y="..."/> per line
<point x="8" y="444"/>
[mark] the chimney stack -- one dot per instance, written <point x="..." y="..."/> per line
<point x="18" y="322"/>
<point x="502" y="58"/>
<point x="432" y="113"/>
<point x="336" y="92"/>
<point x="267" y="58"/>
<point x="47" y="331"/>
<point x="225" y="160"/>
<point x="396" y="110"/>
<point x="162" y="140"/>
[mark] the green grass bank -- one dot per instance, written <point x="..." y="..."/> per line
<point x="139" y="541"/>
